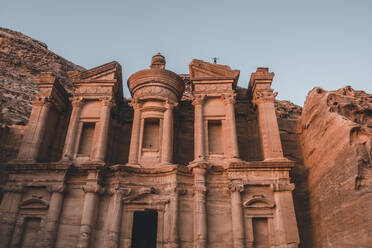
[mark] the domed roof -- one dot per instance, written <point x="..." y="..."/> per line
<point x="156" y="81"/>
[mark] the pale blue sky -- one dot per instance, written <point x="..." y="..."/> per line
<point x="306" y="43"/>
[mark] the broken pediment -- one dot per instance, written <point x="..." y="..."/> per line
<point x="35" y="202"/>
<point x="101" y="80"/>
<point x="200" y="70"/>
<point x="259" y="201"/>
<point x="106" y="72"/>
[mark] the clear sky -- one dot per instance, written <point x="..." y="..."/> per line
<point x="326" y="43"/>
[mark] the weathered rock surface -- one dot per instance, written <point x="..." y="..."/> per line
<point x="336" y="141"/>
<point x="21" y="60"/>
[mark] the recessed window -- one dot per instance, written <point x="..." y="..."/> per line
<point x="260" y="232"/>
<point x="215" y="142"/>
<point x="151" y="134"/>
<point x="86" y="140"/>
<point x="31" y="232"/>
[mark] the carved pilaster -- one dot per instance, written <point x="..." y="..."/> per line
<point x="200" y="211"/>
<point x="107" y="104"/>
<point x="54" y="212"/>
<point x="167" y="140"/>
<point x="35" y="130"/>
<point x="229" y="101"/>
<point x="236" y="187"/>
<point x="115" y="215"/>
<point x="9" y="210"/>
<point x="92" y="191"/>
<point x="71" y="137"/>
<point x="136" y="129"/>
<point x="268" y="124"/>
<point x="199" y="141"/>
<point x="284" y="222"/>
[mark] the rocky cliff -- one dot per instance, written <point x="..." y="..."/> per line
<point x="21" y="60"/>
<point x="336" y="140"/>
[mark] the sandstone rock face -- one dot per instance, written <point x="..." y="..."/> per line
<point x="21" y="60"/>
<point x="336" y="138"/>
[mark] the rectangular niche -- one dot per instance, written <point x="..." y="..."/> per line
<point x="144" y="231"/>
<point x="260" y="232"/>
<point x="151" y="132"/>
<point x="86" y="140"/>
<point x="31" y="232"/>
<point x="215" y="141"/>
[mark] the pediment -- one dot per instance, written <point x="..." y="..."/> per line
<point x="203" y="70"/>
<point x="107" y="72"/>
<point x="34" y="203"/>
<point x="259" y="202"/>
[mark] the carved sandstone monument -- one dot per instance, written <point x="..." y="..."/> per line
<point x="190" y="160"/>
<point x="97" y="170"/>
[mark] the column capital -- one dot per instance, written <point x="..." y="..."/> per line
<point x="264" y="95"/>
<point x="229" y="98"/>
<point x="107" y="101"/>
<point x="198" y="99"/>
<point x="77" y="101"/>
<point x="170" y="105"/>
<point x="93" y="188"/>
<point x="176" y="190"/>
<point x="135" y="104"/>
<point x="57" y="188"/>
<point x="236" y="186"/>
<point x="118" y="190"/>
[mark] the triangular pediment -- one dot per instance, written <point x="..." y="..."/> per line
<point x="107" y="72"/>
<point x="200" y="70"/>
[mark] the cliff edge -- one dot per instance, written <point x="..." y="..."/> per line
<point x="336" y="140"/>
<point x="21" y="60"/>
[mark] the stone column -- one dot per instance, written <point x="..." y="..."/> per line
<point x="172" y="220"/>
<point x="35" y="130"/>
<point x="52" y="218"/>
<point x="284" y="222"/>
<point x="92" y="191"/>
<point x="8" y="212"/>
<point x="200" y="213"/>
<point x="167" y="141"/>
<point x="229" y="100"/>
<point x="198" y="128"/>
<point x="68" y="151"/>
<point x="136" y="129"/>
<point x="103" y="132"/>
<point x="268" y="124"/>
<point x="115" y="216"/>
<point x="236" y="187"/>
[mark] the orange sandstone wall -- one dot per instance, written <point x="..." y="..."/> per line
<point x="336" y="140"/>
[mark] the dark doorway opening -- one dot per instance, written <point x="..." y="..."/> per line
<point x="145" y="229"/>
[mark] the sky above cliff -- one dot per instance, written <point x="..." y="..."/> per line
<point x="306" y="43"/>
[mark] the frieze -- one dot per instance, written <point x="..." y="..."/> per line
<point x="93" y="90"/>
<point x="212" y="88"/>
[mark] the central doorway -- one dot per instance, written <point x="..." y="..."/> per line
<point x="145" y="229"/>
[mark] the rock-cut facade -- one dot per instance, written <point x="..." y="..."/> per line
<point x="190" y="160"/>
